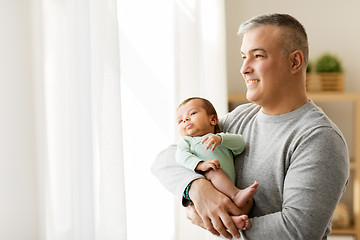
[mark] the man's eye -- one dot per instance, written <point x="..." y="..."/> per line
<point x="193" y="113"/>
<point x="180" y="121"/>
<point x="259" y="56"/>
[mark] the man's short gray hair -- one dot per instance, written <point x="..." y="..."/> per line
<point x="294" y="35"/>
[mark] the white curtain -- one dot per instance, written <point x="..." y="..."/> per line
<point x="200" y="53"/>
<point x="170" y="50"/>
<point x="76" y="62"/>
<point x="147" y="89"/>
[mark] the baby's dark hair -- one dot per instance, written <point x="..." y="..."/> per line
<point x="209" y="108"/>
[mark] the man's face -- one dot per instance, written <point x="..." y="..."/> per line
<point x="265" y="69"/>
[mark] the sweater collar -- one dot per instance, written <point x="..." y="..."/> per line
<point x="287" y="116"/>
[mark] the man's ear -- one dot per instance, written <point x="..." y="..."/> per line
<point x="214" y="120"/>
<point x="296" y="60"/>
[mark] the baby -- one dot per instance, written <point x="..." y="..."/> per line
<point x="204" y="150"/>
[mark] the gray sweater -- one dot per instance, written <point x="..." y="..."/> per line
<point x="300" y="160"/>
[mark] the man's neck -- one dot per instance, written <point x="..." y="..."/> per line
<point x="285" y="105"/>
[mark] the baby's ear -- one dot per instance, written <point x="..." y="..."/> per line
<point x="214" y="120"/>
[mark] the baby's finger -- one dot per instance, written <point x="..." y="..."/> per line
<point x="204" y="139"/>
<point x="209" y="143"/>
<point x="213" y="166"/>
<point x="214" y="146"/>
<point x="215" y="163"/>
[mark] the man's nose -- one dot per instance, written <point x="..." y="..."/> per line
<point x="245" y="68"/>
<point x="186" y="119"/>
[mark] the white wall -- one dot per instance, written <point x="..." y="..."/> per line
<point x="332" y="26"/>
<point x="18" y="191"/>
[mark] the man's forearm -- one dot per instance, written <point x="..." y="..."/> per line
<point x="173" y="176"/>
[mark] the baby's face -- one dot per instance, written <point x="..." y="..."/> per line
<point x="193" y="119"/>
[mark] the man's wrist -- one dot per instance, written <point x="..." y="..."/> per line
<point x="186" y="192"/>
<point x="193" y="188"/>
<point x="186" y="197"/>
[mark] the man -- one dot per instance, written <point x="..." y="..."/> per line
<point x="298" y="156"/>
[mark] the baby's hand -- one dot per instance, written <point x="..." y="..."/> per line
<point x="208" y="165"/>
<point x="214" y="140"/>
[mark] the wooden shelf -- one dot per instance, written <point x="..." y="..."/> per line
<point x="334" y="96"/>
<point x="344" y="231"/>
<point x="354" y="98"/>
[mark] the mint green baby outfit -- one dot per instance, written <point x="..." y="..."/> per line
<point x="190" y="152"/>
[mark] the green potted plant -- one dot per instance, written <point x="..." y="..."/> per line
<point x="328" y="63"/>
<point x="328" y="74"/>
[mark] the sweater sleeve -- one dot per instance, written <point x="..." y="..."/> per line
<point x="173" y="176"/>
<point x="313" y="185"/>
<point x="184" y="156"/>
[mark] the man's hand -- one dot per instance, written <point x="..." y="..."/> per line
<point x="208" y="165"/>
<point x="193" y="216"/>
<point x="213" y="140"/>
<point x="214" y="209"/>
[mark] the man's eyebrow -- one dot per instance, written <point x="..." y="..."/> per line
<point x="255" y="50"/>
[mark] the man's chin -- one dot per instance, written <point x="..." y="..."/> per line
<point x="251" y="96"/>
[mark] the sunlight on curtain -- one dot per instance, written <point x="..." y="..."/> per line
<point x="200" y="51"/>
<point x="81" y="180"/>
<point x="147" y="89"/>
<point x="110" y="217"/>
<point x="170" y="50"/>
